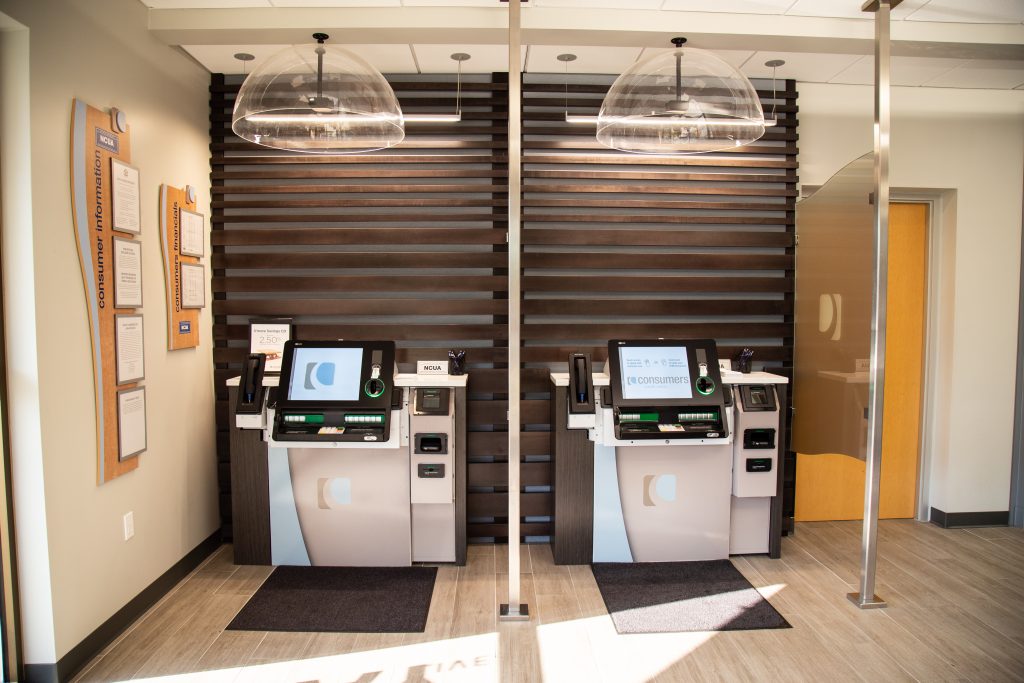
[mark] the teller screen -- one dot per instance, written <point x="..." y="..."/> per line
<point x="325" y="374"/>
<point x="654" y="372"/>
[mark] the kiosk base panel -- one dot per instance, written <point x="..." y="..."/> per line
<point x="675" y="501"/>
<point x="352" y="505"/>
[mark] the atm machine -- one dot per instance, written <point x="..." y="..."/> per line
<point x="667" y="457"/>
<point x="347" y="463"/>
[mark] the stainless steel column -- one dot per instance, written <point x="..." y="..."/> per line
<point x="866" y="598"/>
<point x="514" y="610"/>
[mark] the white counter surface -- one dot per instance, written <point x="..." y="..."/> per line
<point x="402" y="379"/>
<point x="561" y="379"/>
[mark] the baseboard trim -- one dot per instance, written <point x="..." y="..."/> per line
<point x="959" y="520"/>
<point x="41" y="673"/>
<point x="81" y="654"/>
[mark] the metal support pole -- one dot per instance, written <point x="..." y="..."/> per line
<point x="514" y="610"/>
<point x="866" y="598"/>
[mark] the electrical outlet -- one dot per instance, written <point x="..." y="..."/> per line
<point x="129" y="525"/>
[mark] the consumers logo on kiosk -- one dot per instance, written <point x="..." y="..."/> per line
<point x="659" y="488"/>
<point x="318" y="375"/>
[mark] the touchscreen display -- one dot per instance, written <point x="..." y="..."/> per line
<point x="654" y="372"/>
<point x="325" y="374"/>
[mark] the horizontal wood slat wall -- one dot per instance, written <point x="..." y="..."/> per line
<point x="632" y="245"/>
<point x="406" y="244"/>
<point x="409" y="244"/>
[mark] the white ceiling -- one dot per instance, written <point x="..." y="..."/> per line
<point x="806" y="61"/>
<point x="802" y="66"/>
<point x="955" y="11"/>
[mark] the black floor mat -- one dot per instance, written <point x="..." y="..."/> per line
<point x="670" y="597"/>
<point x="340" y="599"/>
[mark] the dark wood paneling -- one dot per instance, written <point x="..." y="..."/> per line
<point x="250" y="502"/>
<point x="289" y="237"/>
<point x="702" y="239"/>
<point x="495" y="444"/>
<point x="290" y="307"/>
<point x="572" y="534"/>
<point x="461" y="478"/>
<point x="500" y="531"/>
<point x="496" y="504"/>
<point x="495" y="474"/>
<point x="594" y="306"/>
<point x="361" y="259"/>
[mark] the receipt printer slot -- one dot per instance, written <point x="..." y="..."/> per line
<point x="759" y="439"/>
<point x="431" y="443"/>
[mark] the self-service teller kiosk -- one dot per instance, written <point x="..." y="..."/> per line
<point x="346" y="463"/>
<point x="665" y="457"/>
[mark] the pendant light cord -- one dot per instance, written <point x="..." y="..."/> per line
<point x="458" y="90"/>
<point x="319" y="73"/>
<point x="565" y="83"/>
<point x="773" y="90"/>
<point x="320" y="50"/>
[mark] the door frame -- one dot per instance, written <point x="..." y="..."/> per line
<point x="941" y="228"/>
<point x="1017" y="450"/>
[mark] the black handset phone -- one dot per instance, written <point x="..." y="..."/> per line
<point x="250" y="385"/>
<point x="580" y="378"/>
<point x="581" y="384"/>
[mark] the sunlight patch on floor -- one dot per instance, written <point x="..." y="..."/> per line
<point x="473" y="659"/>
<point x="621" y="658"/>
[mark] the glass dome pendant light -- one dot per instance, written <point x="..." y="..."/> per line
<point x="686" y="101"/>
<point x="318" y="99"/>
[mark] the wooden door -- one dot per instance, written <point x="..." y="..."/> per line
<point x="831" y="486"/>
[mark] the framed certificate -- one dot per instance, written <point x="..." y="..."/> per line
<point x="129" y="348"/>
<point x="131" y="422"/>
<point x="127" y="273"/>
<point x="193" y="285"/>
<point x="267" y="336"/>
<point x="192" y="227"/>
<point x="124" y="183"/>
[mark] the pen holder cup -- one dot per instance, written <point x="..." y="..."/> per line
<point x="456" y="362"/>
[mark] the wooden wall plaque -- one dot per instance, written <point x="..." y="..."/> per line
<point x="182" y="323"/>
<point x="95" y="140"/>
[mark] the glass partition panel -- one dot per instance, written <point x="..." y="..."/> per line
<point x="834" y="264"/>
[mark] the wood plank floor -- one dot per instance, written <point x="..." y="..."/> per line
<point x="956" y="613"/>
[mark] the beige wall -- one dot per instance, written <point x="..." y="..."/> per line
<point x="971" y="144"/>
<point x="101" y="51"/>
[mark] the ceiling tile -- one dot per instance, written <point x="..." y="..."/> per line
<point x="973" y="12"/>
<point x="449" y="3"/>
<point x="336" y="3"/>
<point x="848" y="9"/>
<point x="388" y="59"/>
<point x="482" y="58"/>
<point x="219" y="59"/>
<point x="204" y="4"/>
<point x="598" y="4"/>
<point x="802" y="66"/>
<point x="737" y="6"/>
<point x="994" y="74"/>
<point x="906" y="71"/>
<point x="589" y="60"/>
<point x="735" y="58"/>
